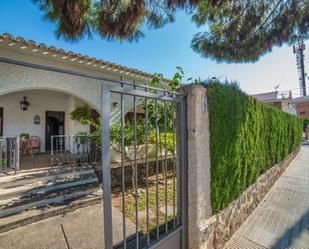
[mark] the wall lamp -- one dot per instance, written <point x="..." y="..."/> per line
<point x="24" y="104"/>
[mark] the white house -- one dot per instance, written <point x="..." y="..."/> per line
<point x="51" y="95"/>
<point x="271" y="98"/>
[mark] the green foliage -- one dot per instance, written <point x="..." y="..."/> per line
<point x="155" y="111"/>
<point x="247" y="137"/>
<point x="167" y="140"/>
<point x="156" y="108"/>
<point x="128" y="133"/>
<point x="243" y="31"/>
<point x="24" y="136"/>
<point x="234" y="31"/>
<point x="82" y="114"/>
<point x="122" y="20"/>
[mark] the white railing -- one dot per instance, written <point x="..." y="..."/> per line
<point x="73" y="149"/>
<point x="9" y="154"/>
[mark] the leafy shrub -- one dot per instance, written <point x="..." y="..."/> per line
<point x="247" y="137"/>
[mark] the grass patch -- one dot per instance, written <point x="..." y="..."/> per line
<point x="169" y="190"/>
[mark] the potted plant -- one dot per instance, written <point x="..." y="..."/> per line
<point x="24" y="136"/>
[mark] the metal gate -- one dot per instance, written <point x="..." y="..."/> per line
<point x="74" y="149"/>
<point x="9" y="154"/>
<point x="146" y="126"/>
<point x="149" y="135"/>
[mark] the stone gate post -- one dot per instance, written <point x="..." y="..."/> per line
<point x="199" y="202"/>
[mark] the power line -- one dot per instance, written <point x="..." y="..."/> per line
<point x="286" y="70"/>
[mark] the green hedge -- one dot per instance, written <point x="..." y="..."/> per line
<point x="247" y="137"/>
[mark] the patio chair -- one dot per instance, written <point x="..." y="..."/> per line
<point x="25" y="145"/>
<point x="35" y="143"/>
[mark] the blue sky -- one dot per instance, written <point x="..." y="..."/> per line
<point x="160" y="51"/>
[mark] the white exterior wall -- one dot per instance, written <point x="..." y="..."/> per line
<point x="52" y="91"/>
<point x="16" y="121"/>
<point x="266" y="96"/>
<point x="17" y="78"/>
<point x="291" y="110"/>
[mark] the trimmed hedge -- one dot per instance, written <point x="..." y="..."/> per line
<point x="247" y="137"/>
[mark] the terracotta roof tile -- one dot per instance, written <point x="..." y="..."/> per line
<point x="73" y="56"/>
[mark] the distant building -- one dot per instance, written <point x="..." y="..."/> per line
<point x="272" y="98"/>
<point x="302" y="106"/>
<point x="266" y="97"/>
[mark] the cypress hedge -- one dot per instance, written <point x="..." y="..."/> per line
<point x="247" y="137"/>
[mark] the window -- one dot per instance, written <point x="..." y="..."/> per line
<point x="302" y="113"/>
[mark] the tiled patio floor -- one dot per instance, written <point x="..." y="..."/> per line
<point x="40" y="160"/>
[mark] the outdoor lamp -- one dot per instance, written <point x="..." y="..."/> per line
<point x="24" y="104"/>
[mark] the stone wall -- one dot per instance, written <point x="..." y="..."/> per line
<point x="218" y="229"/>
<point x="116" y="172"/>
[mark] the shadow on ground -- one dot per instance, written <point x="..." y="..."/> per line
<point x="293" y="234"/>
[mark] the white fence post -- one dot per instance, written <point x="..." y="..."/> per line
<point x="17" y="153"/>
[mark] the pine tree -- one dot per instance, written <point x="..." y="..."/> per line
<point x="243" y="31"/>
<point x="235" y="30"/>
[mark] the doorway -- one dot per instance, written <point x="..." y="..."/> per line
<point x="1" y="121"/>
<point x="54" y="126"/>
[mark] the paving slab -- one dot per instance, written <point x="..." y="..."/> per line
<point x="281" y="220"/>
<point x="81" y="229"/>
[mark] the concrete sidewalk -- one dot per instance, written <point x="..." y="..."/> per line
<point x="81" y="229"/>
<point x="282" y="218"/>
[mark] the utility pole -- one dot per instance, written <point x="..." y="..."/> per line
<point x="298" y="49"/>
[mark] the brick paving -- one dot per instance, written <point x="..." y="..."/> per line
<point x="282" y="218"/>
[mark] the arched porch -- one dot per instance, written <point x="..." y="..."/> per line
<point x="47" y="115"/>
